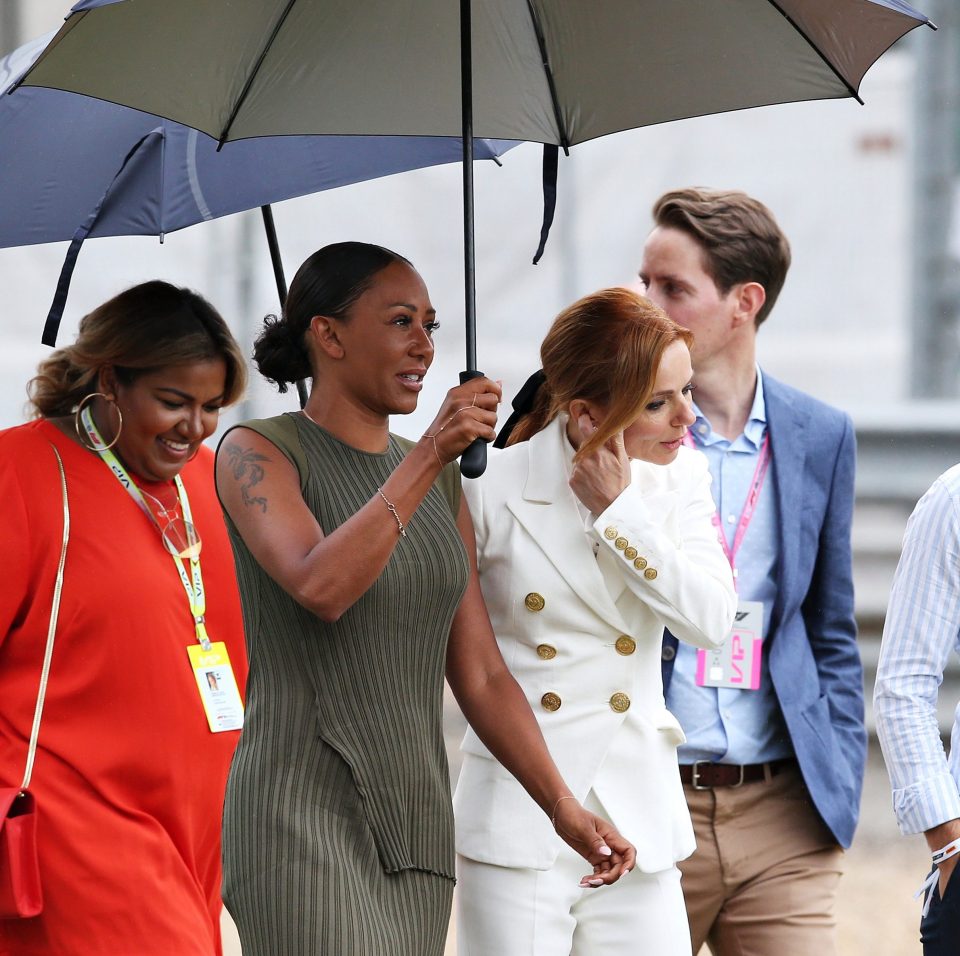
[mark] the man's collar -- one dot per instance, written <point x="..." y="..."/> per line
<point x="753" y="431"/>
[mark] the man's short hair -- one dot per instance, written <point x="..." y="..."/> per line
<point x="740" y="239"/>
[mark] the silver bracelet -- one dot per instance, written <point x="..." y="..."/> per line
<point x="553" y="816"/>
<point x="393" y="511"/>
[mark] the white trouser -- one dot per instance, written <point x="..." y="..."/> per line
<point x="508" y="911"/>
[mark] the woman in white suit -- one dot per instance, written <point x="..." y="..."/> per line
<point x="594" y="532"/>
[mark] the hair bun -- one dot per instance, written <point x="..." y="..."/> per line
<point x="278" y="355"/>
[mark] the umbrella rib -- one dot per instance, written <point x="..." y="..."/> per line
<point x="551" y="85"/>
<point x="253" y="73"/>
<point x="816" y="49"/>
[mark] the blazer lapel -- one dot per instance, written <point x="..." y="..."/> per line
<point x="547" y="510"/>
<point x="788" y="446"/>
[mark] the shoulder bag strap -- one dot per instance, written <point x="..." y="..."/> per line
<point x="51" y="631"/>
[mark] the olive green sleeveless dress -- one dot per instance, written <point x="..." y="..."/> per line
<point x="338" y="827"/>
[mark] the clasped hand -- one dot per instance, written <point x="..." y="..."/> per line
<point x="599" y="478"/>
<point x="597" y="841"/>
<point x="468" y="412"/>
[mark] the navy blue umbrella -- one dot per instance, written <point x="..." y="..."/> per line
<point x="73" y="167"/>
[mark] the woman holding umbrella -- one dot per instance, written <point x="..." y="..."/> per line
<point x="355" y="560"/>
<point x="133" y="747"/>
<point x="593" y="533"/>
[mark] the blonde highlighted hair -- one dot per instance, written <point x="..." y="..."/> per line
<point x="605" y="348"/>
<point x="151" y="326"/>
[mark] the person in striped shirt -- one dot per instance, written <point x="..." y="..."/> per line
<point x="921" y="631"/>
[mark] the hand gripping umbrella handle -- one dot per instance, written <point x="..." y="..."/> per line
<point x="473" y="462"/>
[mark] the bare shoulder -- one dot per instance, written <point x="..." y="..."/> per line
<point x="248" y="466"/>
<point x="259" y="488"/>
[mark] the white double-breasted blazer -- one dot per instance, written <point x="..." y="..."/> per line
<point x="579" y="612"/>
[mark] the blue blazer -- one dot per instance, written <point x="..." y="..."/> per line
<point x="812" y="645"/>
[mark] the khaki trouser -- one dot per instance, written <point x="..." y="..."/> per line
<point x="764" y="876"/>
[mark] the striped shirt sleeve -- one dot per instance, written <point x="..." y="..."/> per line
<point x="922" y="629"/>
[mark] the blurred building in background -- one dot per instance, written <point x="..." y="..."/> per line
<point x="936" y="214"/>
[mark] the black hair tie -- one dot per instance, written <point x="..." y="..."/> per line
<point x="522" y="404"/>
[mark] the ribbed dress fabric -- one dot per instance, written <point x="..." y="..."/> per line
<point x="338" y="827"/>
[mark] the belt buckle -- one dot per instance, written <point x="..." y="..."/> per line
<point x="695" y="775"/>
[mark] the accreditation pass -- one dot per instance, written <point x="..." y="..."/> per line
<point x="736" y="663"/>
<point x="219" y="693"/>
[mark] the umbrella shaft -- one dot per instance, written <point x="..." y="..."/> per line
<point x="469" y="255"/>
<point x="275" y="259"/>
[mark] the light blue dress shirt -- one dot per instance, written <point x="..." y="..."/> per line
<point x="721" y="723"/>
<point x="921" y="631"/>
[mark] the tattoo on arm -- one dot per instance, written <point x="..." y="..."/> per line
<point x="247" y="470"/>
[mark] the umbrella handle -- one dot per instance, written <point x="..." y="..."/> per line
<point x="473" y="462"/>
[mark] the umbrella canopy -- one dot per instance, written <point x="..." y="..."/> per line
<point x="73" y="167"/>
<point x="548" y="71"/>
<point x="64" y="157"/>
<point x="558" y="72"/>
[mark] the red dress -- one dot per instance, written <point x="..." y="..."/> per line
<point x="129" y="780"/>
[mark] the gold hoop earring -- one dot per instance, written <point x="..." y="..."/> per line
<point x="81" y="432"/>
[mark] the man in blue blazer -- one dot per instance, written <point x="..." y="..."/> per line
<point x="773" y="764"/>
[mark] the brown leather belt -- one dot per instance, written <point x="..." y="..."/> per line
<point x="704" y="775"/>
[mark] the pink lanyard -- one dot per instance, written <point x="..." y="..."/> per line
<point x="749" y="506"/>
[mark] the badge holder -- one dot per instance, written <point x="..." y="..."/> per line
<point x="736" y="663"/>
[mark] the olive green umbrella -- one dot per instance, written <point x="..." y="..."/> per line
<point x="557" y="72"/>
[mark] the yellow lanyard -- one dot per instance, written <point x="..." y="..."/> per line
<point x="193" y="584"/>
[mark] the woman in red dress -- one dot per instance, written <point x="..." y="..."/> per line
<point x="136" y="739"/>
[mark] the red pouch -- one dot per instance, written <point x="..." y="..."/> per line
<point x="20" y="894"/>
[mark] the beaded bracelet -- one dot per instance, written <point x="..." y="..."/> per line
<point x="393" y="511"/>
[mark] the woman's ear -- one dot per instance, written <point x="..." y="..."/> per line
<point x="107" y="381"/>
<point x="323" y="331"/>
<point x="579" y="406"/>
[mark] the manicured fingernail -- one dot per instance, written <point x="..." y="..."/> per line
<point x="605" y="850"/>
<point x="595" y="882"/>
